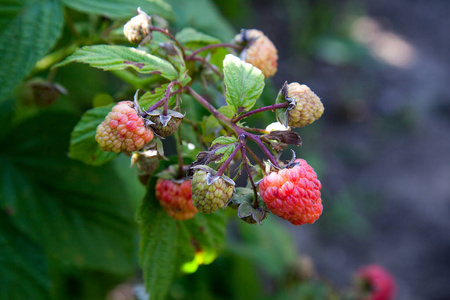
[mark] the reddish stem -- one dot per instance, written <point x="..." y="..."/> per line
<point x="258" y="141"/>
<point x="245" y="162"/>
<point x="253" y="155"/>
<point x="166" y="103"/>
<point x="224" y="166"/>
<point x="236" y="47"/>
<point x="261" y="109"/>
<point x="211" y="66"/>
<point x="161" y="102"/>
<point x="168" y="34"/>
<point x="238" y="130"/>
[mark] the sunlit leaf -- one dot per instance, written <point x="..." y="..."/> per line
<point x="244" y="83"/>
<point x="111" y="57"/>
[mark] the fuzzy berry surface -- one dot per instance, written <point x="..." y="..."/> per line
<point x="209" y="198"/>
<point x="381" y="284"/>
<point x="123" y="130"/>
<point x="261" y="53"/>
<point x="137" y="28"/>
<point x="176" y="198"/>
<point x="308" y="106"/>
<point x="293" y="193"/>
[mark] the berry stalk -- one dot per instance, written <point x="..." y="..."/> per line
<point x="238" y="130"/>
<point x="250" y="177"/>
<point x="191" y="56"/>
<point x="169" y="35"/>
<point x="166" y="97"/>
<point x="261" y="109"/>
<point x="211" y="66"/>
<point x="224" y="166"/>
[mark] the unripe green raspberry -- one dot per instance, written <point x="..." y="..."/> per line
<point x="210" y="193"/>
<point x="123" y="130"/>
<point x="165" y="125"/>
<point x="137" y="28"/>
<point x="259" y="51"/>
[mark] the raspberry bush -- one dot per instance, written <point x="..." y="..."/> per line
<point x="198" y="163"/>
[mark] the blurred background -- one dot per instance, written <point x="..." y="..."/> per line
<point x="382" y="147"/>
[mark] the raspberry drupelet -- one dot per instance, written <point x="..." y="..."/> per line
<point x="293" y="193"/>
<point x="123" y="130"/>
<point x="176" y="198"/>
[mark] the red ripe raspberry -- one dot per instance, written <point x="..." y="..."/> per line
<point x="176" y="198"/>
<point x="293" y="194"/>
<point x="123" y="130"/>
<point x="381" y="284"/>
<point x="260" y="52"/>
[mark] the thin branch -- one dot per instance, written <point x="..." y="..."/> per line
<point x="255" y="191"/>
<point x="261" y="109"/>
<point x="210" y="65"/>
<point x="178" y="142"/>
<point x="166" y="98"/>
<point x="168" y="34"/>
<point x="236" y="47"/>
<point x="224" y="166"/>
<point x="253" y="155"/>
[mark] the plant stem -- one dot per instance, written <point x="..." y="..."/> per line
<point x="161" y="102"/>
<point x="224" y="166"/>
<point x="212" y="47"/>
<point x="261" y="109"/>
<point x="167" y="97"/>
<point x="167" y="33"/>
<point x="255" y="191"/>
<point x="238" y="130"/>
<point x="211" y="66"/>
<point x="253" y="155"/>
<point x="178" y="143"/>
<point x="214" y="111"/>
<point x="258" y="141"/>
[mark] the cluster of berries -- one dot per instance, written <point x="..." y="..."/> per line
<point x="293" y="192"/>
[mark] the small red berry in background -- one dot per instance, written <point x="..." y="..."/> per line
<point x="176" y="198"/>
<point x="293" y="193"/>
<point x="376" y="283"/>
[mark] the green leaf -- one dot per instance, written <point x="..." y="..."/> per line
<point x="167" y="244"/>
<point x="227" y="111"/>
<point x="244" y="83"/>
<point x="226" y="152"/>
<point x="109" y="57"/>
<point x="202" y="15"/>
<point x="82" y="141"/>
<point x="150" y="98"/>
<point x="224" y="140"/>
<point x="269" y="246"/>
<point x="23" y="265"/>
<point x="158" y="246"/>
<point x="28" y="29"/>
<point x="121" y="8"/>
<point x="71" y="210"/>
<point x="208" y="230"/>
<point x="190" y="35"/>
